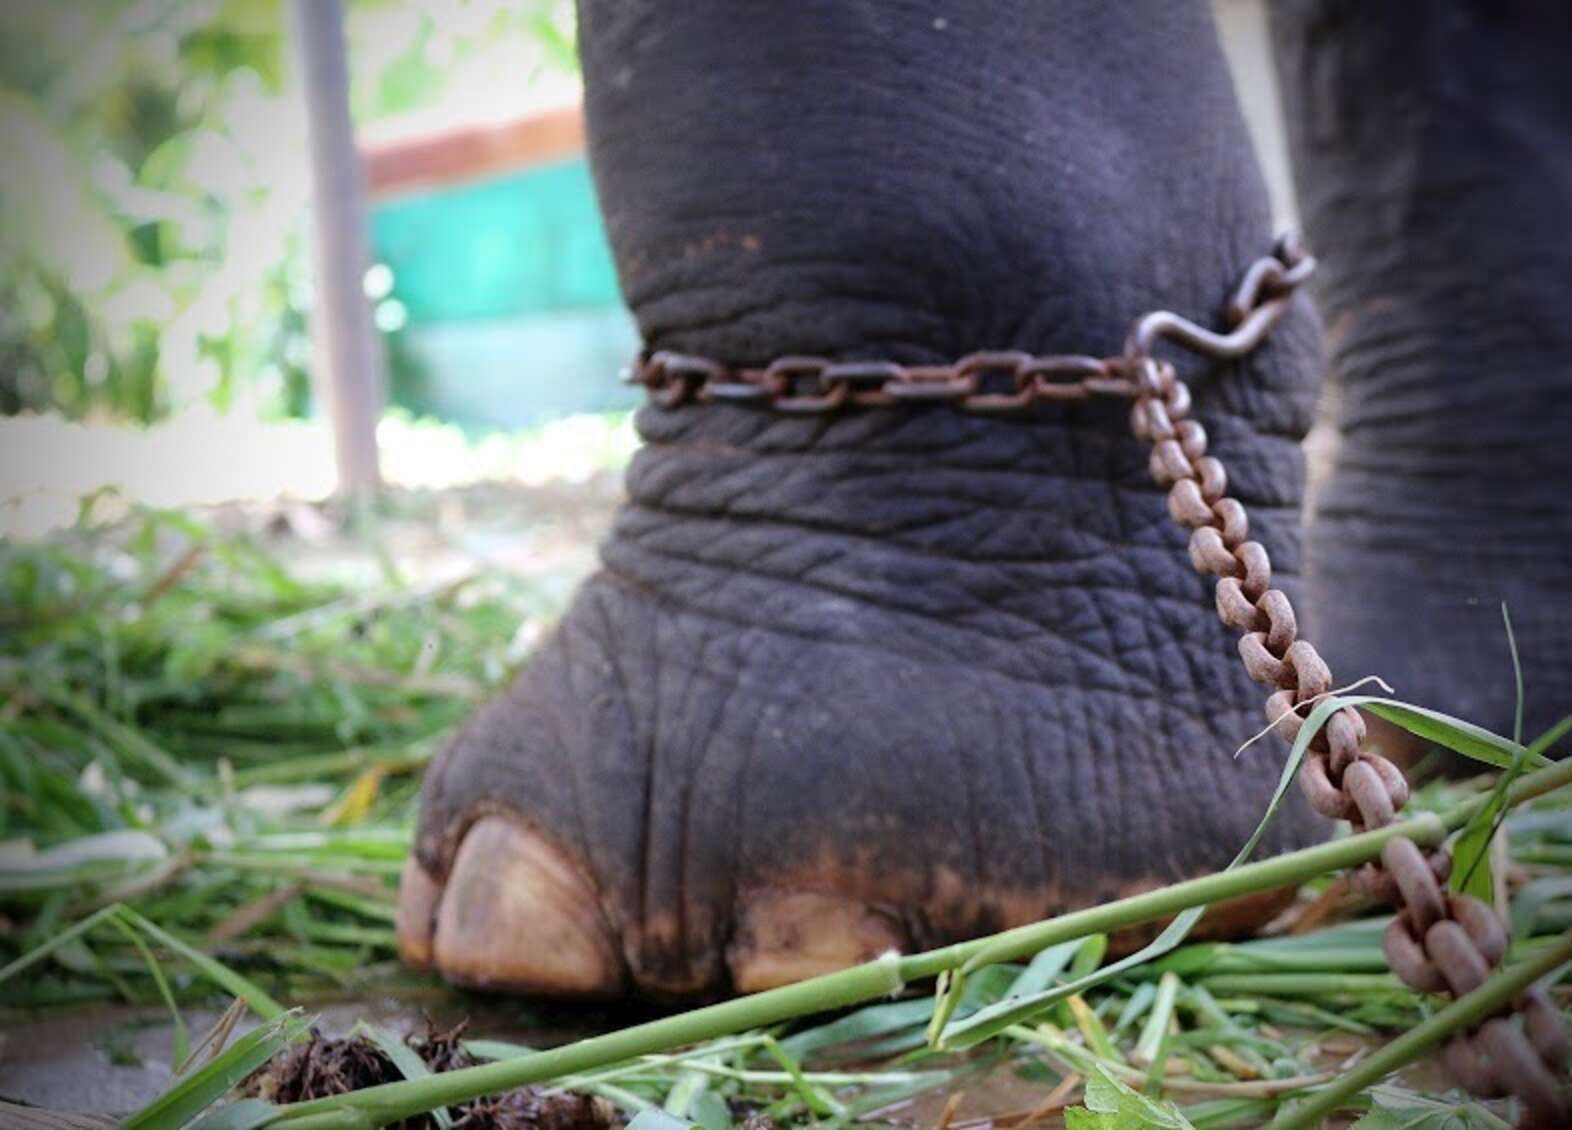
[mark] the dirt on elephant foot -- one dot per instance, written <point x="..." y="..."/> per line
<point x="322" y="1067"/>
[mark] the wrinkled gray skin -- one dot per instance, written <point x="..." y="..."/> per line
<point x="1433" y="154"/>
<point x="959" y="670"/>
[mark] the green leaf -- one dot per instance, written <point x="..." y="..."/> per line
<point x="988" y="1022"/>
<point x="497" y="1049"/>
<point x="180" y="1044"/>
<point x="61" y="941"/>
<point x="864" y="1024"/>
<point x="1224" y="1113"/>
<point x="1471" y="872"/>
<point x="1089" y="955"/>
<point x="191" y="1094"/>
<point x="653" y="1119"/>
<point x="1517" y="674"/>
<point x="818" y="1100"/>
<point x="947" y="997"/>
<point x="1136" y="1006"/>
<point x="1444" y="730"/>
<point x="409" y="1064"/>
<point x="709" y="1110"/>
<point x="1149" y="1045"/>
<point x="1395" y="1109"/>
<point x="1533" y="898"/>
<point x="243" y="1114"/>
<point x="1550" y="737"/>
<point x="1044" y="969"/>
<point x="689" y="1085"/>
<point x="1110" y="1105"/>
<point x="97" y="858"/>
<point x="220" y="974"/>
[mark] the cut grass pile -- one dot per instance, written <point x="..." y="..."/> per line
<point x="209" y="770"/>
<point x="187" y="728"/>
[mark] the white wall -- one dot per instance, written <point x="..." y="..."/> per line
<point x="1241" y="25"/>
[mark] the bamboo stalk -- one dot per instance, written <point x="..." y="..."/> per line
<point x="374" y="1106"/>
<point x="393" y="1101"/>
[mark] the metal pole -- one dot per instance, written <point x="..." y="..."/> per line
<point x="348" y="369"/>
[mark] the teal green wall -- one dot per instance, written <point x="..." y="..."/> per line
<point x="520" y="243"/>
<point x="514" y="317"/>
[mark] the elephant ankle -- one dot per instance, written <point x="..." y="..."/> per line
<point x="911" y="187"/>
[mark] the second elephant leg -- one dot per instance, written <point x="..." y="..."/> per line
<point x="1432" y="146"/>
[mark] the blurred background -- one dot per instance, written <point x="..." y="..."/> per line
<point x="156" y="276"/>
<point x="156" y="282"/>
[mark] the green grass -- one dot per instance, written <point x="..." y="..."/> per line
<point x="189" y="729"/>
<point x="208" y="773"/>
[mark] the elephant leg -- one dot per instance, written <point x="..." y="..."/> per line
<point x="1432" y="146"/>
<point x="883" y="678"/>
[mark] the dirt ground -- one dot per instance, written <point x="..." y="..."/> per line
<point x="109" y="1060"/>
<point x="113" y="1059"/>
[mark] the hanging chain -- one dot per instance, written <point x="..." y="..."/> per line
<point x="1439" y="941"/>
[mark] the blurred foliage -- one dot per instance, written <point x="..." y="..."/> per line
<point x="152" y="243"/>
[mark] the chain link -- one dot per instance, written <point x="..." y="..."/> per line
<point x="991" y="382"/>
<point x="1439" y="941"/>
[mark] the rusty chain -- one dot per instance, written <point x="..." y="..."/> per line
<point x="1439" y="941"/>
<point x="990" y="382"/>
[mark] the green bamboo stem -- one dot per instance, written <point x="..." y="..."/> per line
<point x="393" y="1101"/>
<point x="1426" y="830"/>
<point x="886" y="975"/>
<point x="1461" y="1014"/>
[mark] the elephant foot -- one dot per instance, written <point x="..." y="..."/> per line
<point x="878" y="683"/>
<point x="1408" y="570"/>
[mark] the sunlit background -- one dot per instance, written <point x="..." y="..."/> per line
<point x="155" y="270"/>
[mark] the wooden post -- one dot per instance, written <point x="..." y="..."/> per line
<point x="347" y="373"/>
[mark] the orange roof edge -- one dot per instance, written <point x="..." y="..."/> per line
<point x="466" y="153"/>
